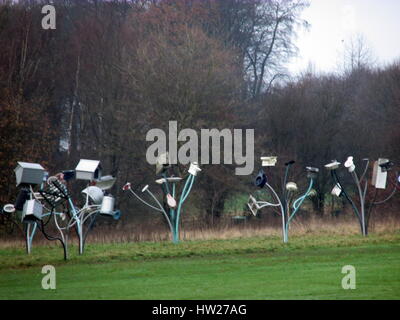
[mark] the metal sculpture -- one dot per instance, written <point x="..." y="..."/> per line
<point x="42" y="199"/>
<point x="173" y="202"/>
<point x="285" y="201"/>
<point x="378" y="180"/>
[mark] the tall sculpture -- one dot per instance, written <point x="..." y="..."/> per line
<point x="288" y="201"/>
<point x="172" y="200"/>
<point x="42" y="200"/>
<point x="379" y="178"/>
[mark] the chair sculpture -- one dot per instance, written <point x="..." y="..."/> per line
<point x="173" y="201"/>
<point x="285" y="201"/>
<point x="378" y="180"/>
<point x="42" y="199"/>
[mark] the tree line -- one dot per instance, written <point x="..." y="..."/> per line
<point x="112" y="70"/>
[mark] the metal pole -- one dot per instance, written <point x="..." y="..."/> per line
<point x="362" y="202"/>
<point x="284" y="199"/>
<point x="337" y="181"/>
<point x="285" y="240"/>
<point x="78" y="225"/>
<point x="185" y="193"/>
<point x="296" y="206"/>
<point x="28" y="238"/>
<point x="162" y="210"/>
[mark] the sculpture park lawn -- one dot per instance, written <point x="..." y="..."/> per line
<point x="309" y="267"/>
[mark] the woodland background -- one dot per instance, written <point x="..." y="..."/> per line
<point x="112" y="70"/>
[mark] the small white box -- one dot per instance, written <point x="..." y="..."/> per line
<point x="268" y="161"/>
<point x="194" y="169"/>
<point x="333" y="165"/>
<point x="378" y="176"/>
<point x="336" y="191"/>
<point x="29" y="173"/>
<point x="33" y="209"/>
<point x="88" y="170"/>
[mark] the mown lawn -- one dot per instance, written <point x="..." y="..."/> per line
<point x="309" y="267"/>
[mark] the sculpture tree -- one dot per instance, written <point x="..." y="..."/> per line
<point x="378" y="180"/>
<point x="172" y="199"/>
<point x="42" y="200"/>
<point x="286" y="201"/>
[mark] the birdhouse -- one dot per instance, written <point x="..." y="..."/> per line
<point x="88" y="170"/>
<point x="268" y="161"/>
<point x="29" y="173"/>
<point x="32" y="211"/>
<point x="312" y="173"/>
<point x="336" y="191"/>
<point x="333" y="165"/>
<point x="194" y="168"/>
<point x="379" y="176"/>
<point x="291" y="186"/>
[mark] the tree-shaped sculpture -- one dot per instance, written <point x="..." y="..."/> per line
<point x="42" y="200"/>
<point x="172" y="201"/>
<point x="378" y="180"/>
<point x="285" y="202"/>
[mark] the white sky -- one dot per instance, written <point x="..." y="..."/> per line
<point x="335" y="20"/>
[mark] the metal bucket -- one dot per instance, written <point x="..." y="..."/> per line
<point x="107" y="205"/>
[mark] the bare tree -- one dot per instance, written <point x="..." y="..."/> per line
<point x="271" y="43"/>
<point x="357" y="53"/>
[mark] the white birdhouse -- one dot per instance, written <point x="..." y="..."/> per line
<point x="194" y="168"/>
<point x="333" y="165"/>
<point x="29" y="173"/>
<point x="379" y="177"/>
<point x="268" y="161"/>
<point x="336" y="191"/>
<point x="32" y="211"/>
<point x="88" y="170"/>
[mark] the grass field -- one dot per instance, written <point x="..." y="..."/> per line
<point x="309" y="267"/>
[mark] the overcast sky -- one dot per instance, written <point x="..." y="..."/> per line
<point x="333" y="21"/>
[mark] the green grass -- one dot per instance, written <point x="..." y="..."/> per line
<point x="309" y="267"/>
